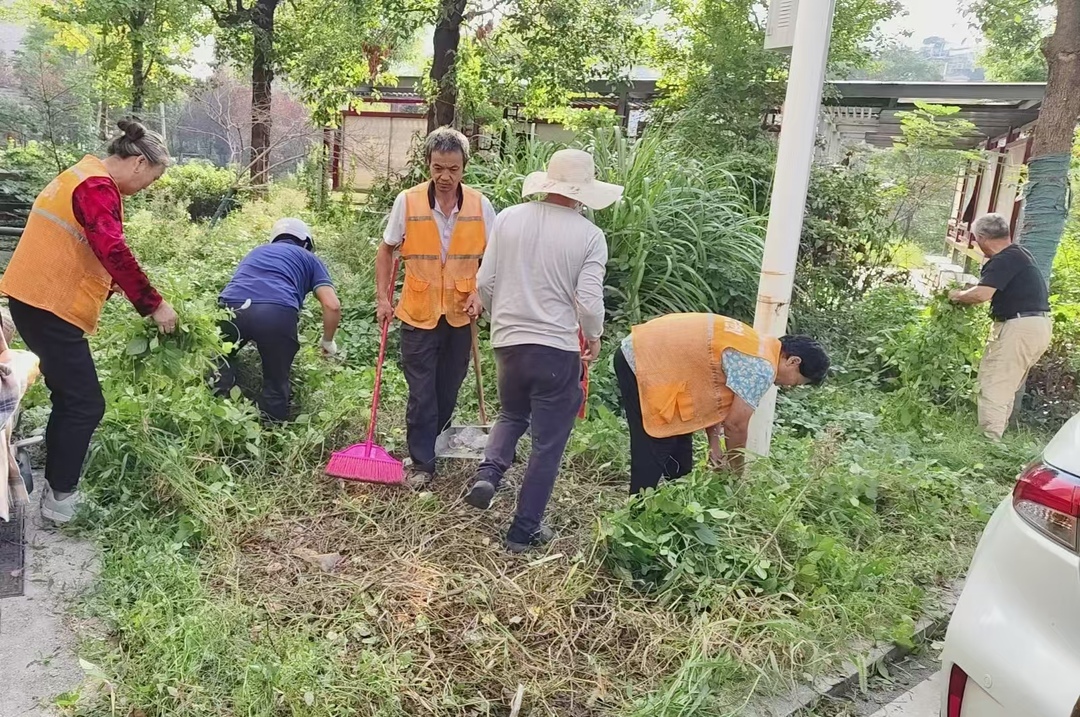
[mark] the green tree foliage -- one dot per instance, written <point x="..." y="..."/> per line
<point x="140" y="48"/>
<point x="1014" y="32"/>
<point x="922" y="168"/>
<point x="535" y="52"/>
<point x="547" y="50"/>
<point x="327" y="48"/>
<point x="896" y="62"/>
<point x="721" y="78"/>
<point x="57" y="89"/>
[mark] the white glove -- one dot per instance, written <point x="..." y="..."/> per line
<point x="329" y="348"/>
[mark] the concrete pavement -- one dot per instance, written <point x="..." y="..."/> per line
<point x="924" y="700"/>
<point x="37" y="643"/>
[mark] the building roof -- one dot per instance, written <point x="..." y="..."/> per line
<point x="869" y="110"/>
<point x="598" y="93"/>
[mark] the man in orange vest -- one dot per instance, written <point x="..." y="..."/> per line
<point x="441" y="229"/>
<point x="683" y="373"/>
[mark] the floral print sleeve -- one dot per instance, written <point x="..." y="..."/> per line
<point x="748" y="377"/>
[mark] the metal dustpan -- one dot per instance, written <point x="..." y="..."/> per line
<point x="467" y="442"/>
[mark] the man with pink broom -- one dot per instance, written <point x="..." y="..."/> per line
<point x="440" y="228"/>
<point x="543" y="280"/>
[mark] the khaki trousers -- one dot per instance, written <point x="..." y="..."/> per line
<point x="1014" y="347"/>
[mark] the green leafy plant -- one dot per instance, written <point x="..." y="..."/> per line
<point x="936" y="359"/>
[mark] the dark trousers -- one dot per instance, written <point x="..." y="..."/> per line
<point x="650" y="458"/>
<point x="541" y="386"/>
<point x="272" y="329"/>
<point x="77" y="402"/>
<point x="435" y="362"/>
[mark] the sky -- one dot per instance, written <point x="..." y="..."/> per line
<point x="925" y="18"/>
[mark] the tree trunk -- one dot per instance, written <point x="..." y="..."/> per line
<point x="138" y="63"/>
<point x="1046" y="205"/>
<point x="138" y="75"/>
<point x="262" y="78"/>
<point x="443" y="74"/>
<point x="103" y="121"/>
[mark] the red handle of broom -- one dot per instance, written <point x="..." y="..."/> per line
<point x="382" y="357"/>
<point x="582" y="412"/>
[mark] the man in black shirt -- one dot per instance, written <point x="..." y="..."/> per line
<point x="1020" y="307"/>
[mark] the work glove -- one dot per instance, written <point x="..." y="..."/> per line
<point x="329" y="348"/>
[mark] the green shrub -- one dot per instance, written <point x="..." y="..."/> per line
<point x="197" y="186"/>
<point x="29" y="167"/>
<point x="858" y="334"/>
<point x="846" y="241"/>
<point x="1052" y="385"/>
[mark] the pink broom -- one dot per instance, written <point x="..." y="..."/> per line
<point x="366" y="461"/>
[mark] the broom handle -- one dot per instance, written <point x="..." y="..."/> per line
<point x="382" y="357"/>
<point x="477" y="371"/>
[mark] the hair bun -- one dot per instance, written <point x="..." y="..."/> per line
<point x="132" y="129"/>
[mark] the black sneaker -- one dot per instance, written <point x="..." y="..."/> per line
<point x="480" y="494"/>
<point x="543" y="536"/>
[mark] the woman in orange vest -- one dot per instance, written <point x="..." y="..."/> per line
<point x="72" y="255"/>
<point x="683" y="373"/>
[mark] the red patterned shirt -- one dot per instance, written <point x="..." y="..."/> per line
<point x="97" y="207"/>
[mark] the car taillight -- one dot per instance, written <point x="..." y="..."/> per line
<point x="957" y="684"/>
<point x="1049" y="501"/>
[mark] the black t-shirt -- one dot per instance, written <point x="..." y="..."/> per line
<point x="1019" y="283"/>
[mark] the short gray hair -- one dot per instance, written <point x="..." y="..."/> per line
<point x="135" y="140"/>
<point x="992" y="226"/>
<point x="446" y="139"/>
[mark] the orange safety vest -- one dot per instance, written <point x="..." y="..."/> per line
<point x="434" y="288"/>
<point x="679" y="373"/>
<point x="53" y="268"/>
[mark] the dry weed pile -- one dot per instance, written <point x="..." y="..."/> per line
<point x="426" y="575"/>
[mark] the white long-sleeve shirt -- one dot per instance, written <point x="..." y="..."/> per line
<point x="542" y="276"/>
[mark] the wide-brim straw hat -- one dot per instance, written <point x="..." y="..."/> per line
<point x="571" y="173"/>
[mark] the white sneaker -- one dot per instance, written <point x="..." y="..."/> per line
<point x="59" y="511"/>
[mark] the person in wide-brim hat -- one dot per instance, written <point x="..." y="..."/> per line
<point x="571" y="174"/>
<point x="542" y="278"/>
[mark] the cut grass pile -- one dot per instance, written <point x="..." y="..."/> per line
<point x="238" y="580"/>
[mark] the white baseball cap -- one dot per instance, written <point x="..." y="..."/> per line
<point x="294" y="227"/>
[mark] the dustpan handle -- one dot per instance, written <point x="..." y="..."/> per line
<point x="478" y="372"/>
<point x="382" y="357"/>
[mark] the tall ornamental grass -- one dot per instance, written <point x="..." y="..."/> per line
<point x="685" y="236"/>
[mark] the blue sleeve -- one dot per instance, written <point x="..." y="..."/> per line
<point x="748" y="377"/>
<point x="319" y="275"/>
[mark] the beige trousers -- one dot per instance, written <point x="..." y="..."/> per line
<point x="1014" y="347"/>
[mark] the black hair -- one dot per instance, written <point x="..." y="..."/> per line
<point x="293" y="239"/>
<point x="815" y="362"/>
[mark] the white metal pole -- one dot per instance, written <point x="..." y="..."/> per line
<point x="798" y="130"/>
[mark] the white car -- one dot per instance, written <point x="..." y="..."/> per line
<point x="1013" y="646"/>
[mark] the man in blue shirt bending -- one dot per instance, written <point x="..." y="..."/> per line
<point x="266" y="294"/>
